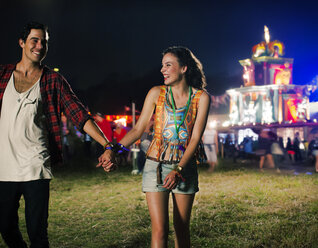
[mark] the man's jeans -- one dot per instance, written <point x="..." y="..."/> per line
<point x="36" y="197"/>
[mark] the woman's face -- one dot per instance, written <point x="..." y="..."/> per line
<point x="171" y="70"/>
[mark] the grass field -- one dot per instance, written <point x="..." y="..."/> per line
<point x="237" y="206"/>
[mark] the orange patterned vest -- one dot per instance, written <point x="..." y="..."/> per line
<point x="163" y="146"/>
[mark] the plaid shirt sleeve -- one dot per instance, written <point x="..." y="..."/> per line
<point x="58" y="97"/>
<point x="5" y="74"/>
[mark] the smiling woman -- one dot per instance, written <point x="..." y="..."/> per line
<point x="182" y="107"/>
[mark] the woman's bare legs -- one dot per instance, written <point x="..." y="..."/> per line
<point x="182" y="206"/>
<point x="270" y="161"/>
<point x="261" y="162"/>
<point x="211" y="166"/>
<point x="159" y="215"/>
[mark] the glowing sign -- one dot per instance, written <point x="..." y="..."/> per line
<point x="294" y="110"/>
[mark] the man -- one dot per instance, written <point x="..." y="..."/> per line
<point x="296" y="144"/>
<point x="32" y="99"/>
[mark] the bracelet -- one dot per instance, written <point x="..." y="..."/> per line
<point x="117" y="148"/>
<point x="106" y="145"/>
<point x="179" y="169"/>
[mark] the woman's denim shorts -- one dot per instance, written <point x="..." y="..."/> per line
<point x="189" y="173"/>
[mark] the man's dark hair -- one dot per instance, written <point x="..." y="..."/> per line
<point x="32" y="25"/>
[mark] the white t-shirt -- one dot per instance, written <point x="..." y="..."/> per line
<point x="24" y="155"/>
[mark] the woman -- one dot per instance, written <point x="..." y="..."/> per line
<point x="182" y="107"/>
<point x="313" y="148"/>
<point x="264" y="144"/>
<point x="210" y="140"/>
<point x="290" y="150"/>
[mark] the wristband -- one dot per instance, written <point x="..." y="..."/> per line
<point x="179" y="169"/>
<point x="106" y="145"/>
<point x="117" y="148"/>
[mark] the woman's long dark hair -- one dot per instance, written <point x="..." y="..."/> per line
<point x="194" y="75"/>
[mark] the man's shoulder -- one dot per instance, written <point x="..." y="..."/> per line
<point x="52" y="74"/>
<point x="5" y="72"/>
<point x="6" y="67"/>
<point x="49" y="70"/>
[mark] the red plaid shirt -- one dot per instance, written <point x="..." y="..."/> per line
<point x="57" y="97"/>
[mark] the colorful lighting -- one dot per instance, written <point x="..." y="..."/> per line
<point x="266" y="34"/>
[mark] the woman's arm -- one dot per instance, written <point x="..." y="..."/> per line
<point x="105" y="160"/>
<point x="146" y="113"/>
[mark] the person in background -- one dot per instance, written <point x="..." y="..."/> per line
<point x="277" y="151"/>
<point x="281" y="143"/>
<point x="228" y="147"/>
<point x="290" y="150"/>
<point x="145" y="141"/>
<point x="248" y="147"/>
<point x="313" y="150"/>
<point x="119" y="132"/>
<point x="32" y="99"/>
<point x="264" y="144"/>
<point x="210" y="141"/>
<point x="182" y="107"/>
<point x="104" y="125"/>
<point x="296" y="144"/>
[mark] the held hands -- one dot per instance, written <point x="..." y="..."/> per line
<point x="171" y="180"/>
<point x="106" y="161"/>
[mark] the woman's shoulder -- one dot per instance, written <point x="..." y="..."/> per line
<point x="203" y="95"/>
<point x="156" y="90"/>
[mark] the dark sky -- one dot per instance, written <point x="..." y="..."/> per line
<point x="92" y="39"/>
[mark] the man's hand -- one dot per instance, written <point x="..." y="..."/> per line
<point x="106" y="160"/>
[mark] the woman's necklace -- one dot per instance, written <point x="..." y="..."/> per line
<point x="180" y="147"/>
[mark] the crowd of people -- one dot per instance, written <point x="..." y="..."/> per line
<point x="270" y="149"/>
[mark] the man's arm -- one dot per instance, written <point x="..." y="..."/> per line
<point x="91" y="128"/>
<point x="78" y="114"/>
<point x="134" y="134"/>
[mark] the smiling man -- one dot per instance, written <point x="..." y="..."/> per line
<point x="32" y="99"/>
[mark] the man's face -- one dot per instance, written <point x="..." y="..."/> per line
<point x="35" y="47"/>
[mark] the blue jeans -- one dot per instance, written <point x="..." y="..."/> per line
<point x="150" y="183"/>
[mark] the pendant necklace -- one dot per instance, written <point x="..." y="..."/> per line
<point x="180" y="147"/>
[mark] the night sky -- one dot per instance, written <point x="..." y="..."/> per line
<point x="94" y="41"/>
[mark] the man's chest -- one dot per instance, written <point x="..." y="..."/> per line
<point x="23" y="83"/>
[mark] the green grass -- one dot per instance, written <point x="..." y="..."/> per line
<point x="237" y="206"/>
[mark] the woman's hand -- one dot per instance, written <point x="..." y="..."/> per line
<point x="106" y="160"/>
<point x="171" y="180"/>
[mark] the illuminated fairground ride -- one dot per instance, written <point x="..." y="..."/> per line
<point x="268" y="98"/>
